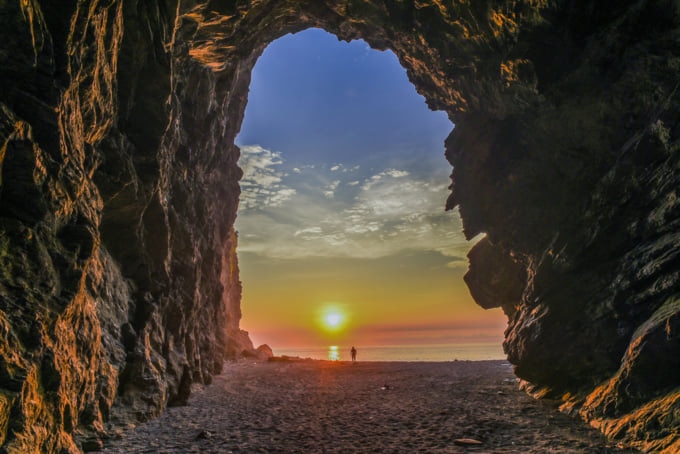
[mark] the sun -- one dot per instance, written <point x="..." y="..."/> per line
<point x="332" y="318"/>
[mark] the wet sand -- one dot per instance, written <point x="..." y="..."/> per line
<point x="376" y="407"/>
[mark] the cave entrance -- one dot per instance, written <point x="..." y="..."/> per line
<point x="343" y="237"/>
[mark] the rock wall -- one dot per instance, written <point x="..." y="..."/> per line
<point x="118" y="275"/>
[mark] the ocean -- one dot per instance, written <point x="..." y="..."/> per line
<point x="449" y="352"/>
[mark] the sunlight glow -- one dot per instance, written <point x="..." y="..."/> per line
<point x="332" y="318"/>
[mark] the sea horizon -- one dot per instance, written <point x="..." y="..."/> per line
<point x="409" y="353"/>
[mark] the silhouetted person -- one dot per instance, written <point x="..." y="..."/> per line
<point x="353" y="351"/>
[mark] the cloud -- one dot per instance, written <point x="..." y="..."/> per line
<point x="329" y="191"/>
<point x="309" y="231"/>
<point x="330" y="213"/>
<point x="261" y="185"/>
<point x="394" y="173"/>
<point x="391" y="173"/>
<point x="343" y="168"/>
<point x="475" y="333"/>
<point x="457" y="262"/>
<point x="391" y="197"/>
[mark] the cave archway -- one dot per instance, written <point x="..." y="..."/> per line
<point x="448" y="51"/>
<point x="120" y="188"/>
<point x="528" y="171"/>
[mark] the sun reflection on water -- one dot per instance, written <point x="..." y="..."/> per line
<point x="333" y="353"/>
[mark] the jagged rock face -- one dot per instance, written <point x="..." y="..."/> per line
<point x="119" y="282"/>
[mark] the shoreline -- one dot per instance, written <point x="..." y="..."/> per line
<point x="310" y="405"/>
<point x="431" y="352"/>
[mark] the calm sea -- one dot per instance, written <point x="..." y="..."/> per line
<point x="480" y="351"/>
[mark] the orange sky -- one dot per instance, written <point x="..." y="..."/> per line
<point x="409" y="298"/>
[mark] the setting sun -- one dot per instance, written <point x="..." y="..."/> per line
<point x="332" y="318"/>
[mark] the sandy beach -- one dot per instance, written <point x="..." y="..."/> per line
<point x="377" y="407"/>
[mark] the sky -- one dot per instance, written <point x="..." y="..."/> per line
<point x="343" y="237"/>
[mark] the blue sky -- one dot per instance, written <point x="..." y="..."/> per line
<point x="345" y="178"/>
<point x="317" y="99"/>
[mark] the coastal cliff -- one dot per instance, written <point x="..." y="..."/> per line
<point x="119" y="284"/>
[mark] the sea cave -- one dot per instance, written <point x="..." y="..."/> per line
<point x="119" y="283"/>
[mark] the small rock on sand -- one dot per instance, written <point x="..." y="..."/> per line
<point x="467" y="442"/>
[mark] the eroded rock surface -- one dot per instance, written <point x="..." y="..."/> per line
<point x="118" y="274"/>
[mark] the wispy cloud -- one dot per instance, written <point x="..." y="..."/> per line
<point x="343" y="168"/>
<point x="344" y="211"/>
<point x="261" y="183"/>
<point x="394" y="173"/>
<point x="329" y="191"/>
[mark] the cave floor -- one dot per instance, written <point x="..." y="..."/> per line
<point x="383" y="407"/>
